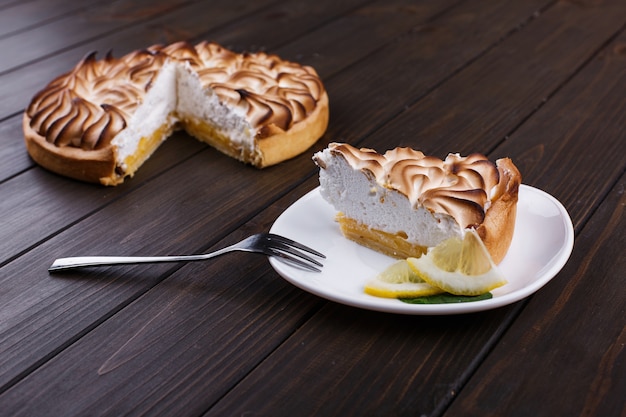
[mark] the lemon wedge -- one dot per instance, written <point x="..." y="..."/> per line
<point x="459" y="266"/>
<point x="399" y="280"/>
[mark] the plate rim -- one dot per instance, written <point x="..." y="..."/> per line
<point x="562" y="255"/>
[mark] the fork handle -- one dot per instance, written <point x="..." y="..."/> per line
<point x="62" y="264"/>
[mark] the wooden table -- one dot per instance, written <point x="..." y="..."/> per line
<point x="541" y="81"/>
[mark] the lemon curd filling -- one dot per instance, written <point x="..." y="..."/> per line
<point x="209" y="134"/>
<point x="145" y="148"/>
<point x="199" y="129"/>
<point x="394" y="245"/>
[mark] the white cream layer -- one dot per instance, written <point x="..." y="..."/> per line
<point x="359" y="197"/>
<point x="175" y="94"/>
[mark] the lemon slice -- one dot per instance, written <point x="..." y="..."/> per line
<point x="399" y="280"/>
<point x="459" y="266"/>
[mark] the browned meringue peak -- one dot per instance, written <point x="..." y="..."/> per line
<point x="363" y="159"/>
<point x="459" y="186"/>
<point x="78" y="123"/>
<point x="88" y="106"/>
<point x="268" y="89"/>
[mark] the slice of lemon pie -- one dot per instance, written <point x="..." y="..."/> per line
<point x="402" y="202"/>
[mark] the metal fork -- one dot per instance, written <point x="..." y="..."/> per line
<point x="289" y="251"/>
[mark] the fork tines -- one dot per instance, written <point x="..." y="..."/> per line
<point x="287" y="249"/>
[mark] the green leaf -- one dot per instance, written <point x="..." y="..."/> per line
<point x="446" y="298"/>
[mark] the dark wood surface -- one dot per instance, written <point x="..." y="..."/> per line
<point x="541" y="81"/>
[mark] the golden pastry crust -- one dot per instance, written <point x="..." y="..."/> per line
<point x="496" y="231"/>
<point x="70" y="125"/>
<point x="95" y="165"/>
<point x="277" y="145"/>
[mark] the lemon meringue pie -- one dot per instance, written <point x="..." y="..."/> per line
<point x="104" y="118"/>
<point x="402" y="202"/>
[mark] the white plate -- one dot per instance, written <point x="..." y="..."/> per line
<point x="542" y="243"/>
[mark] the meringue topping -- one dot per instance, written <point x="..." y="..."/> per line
<point x="462" y="187"/>
<point x="87" y="107"/>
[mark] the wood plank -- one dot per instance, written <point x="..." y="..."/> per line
<point x="588" y="111"/>
<point x="569" y="341"/>
<point x="7" y="4"/>
<point x="171" y="353"/>
<point x="397" y="76"/>
<point x="50" y="38"/>
<point x="355" y="34"/>
<point x="26" y="15"/>
<point x="93" y="295"/>
<point x="13" y="152"/>
<point x="354" y="363"/>
<point x="240" y="309"/>
<point x="544" y="58"/>
<point x="37" y="204"/>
